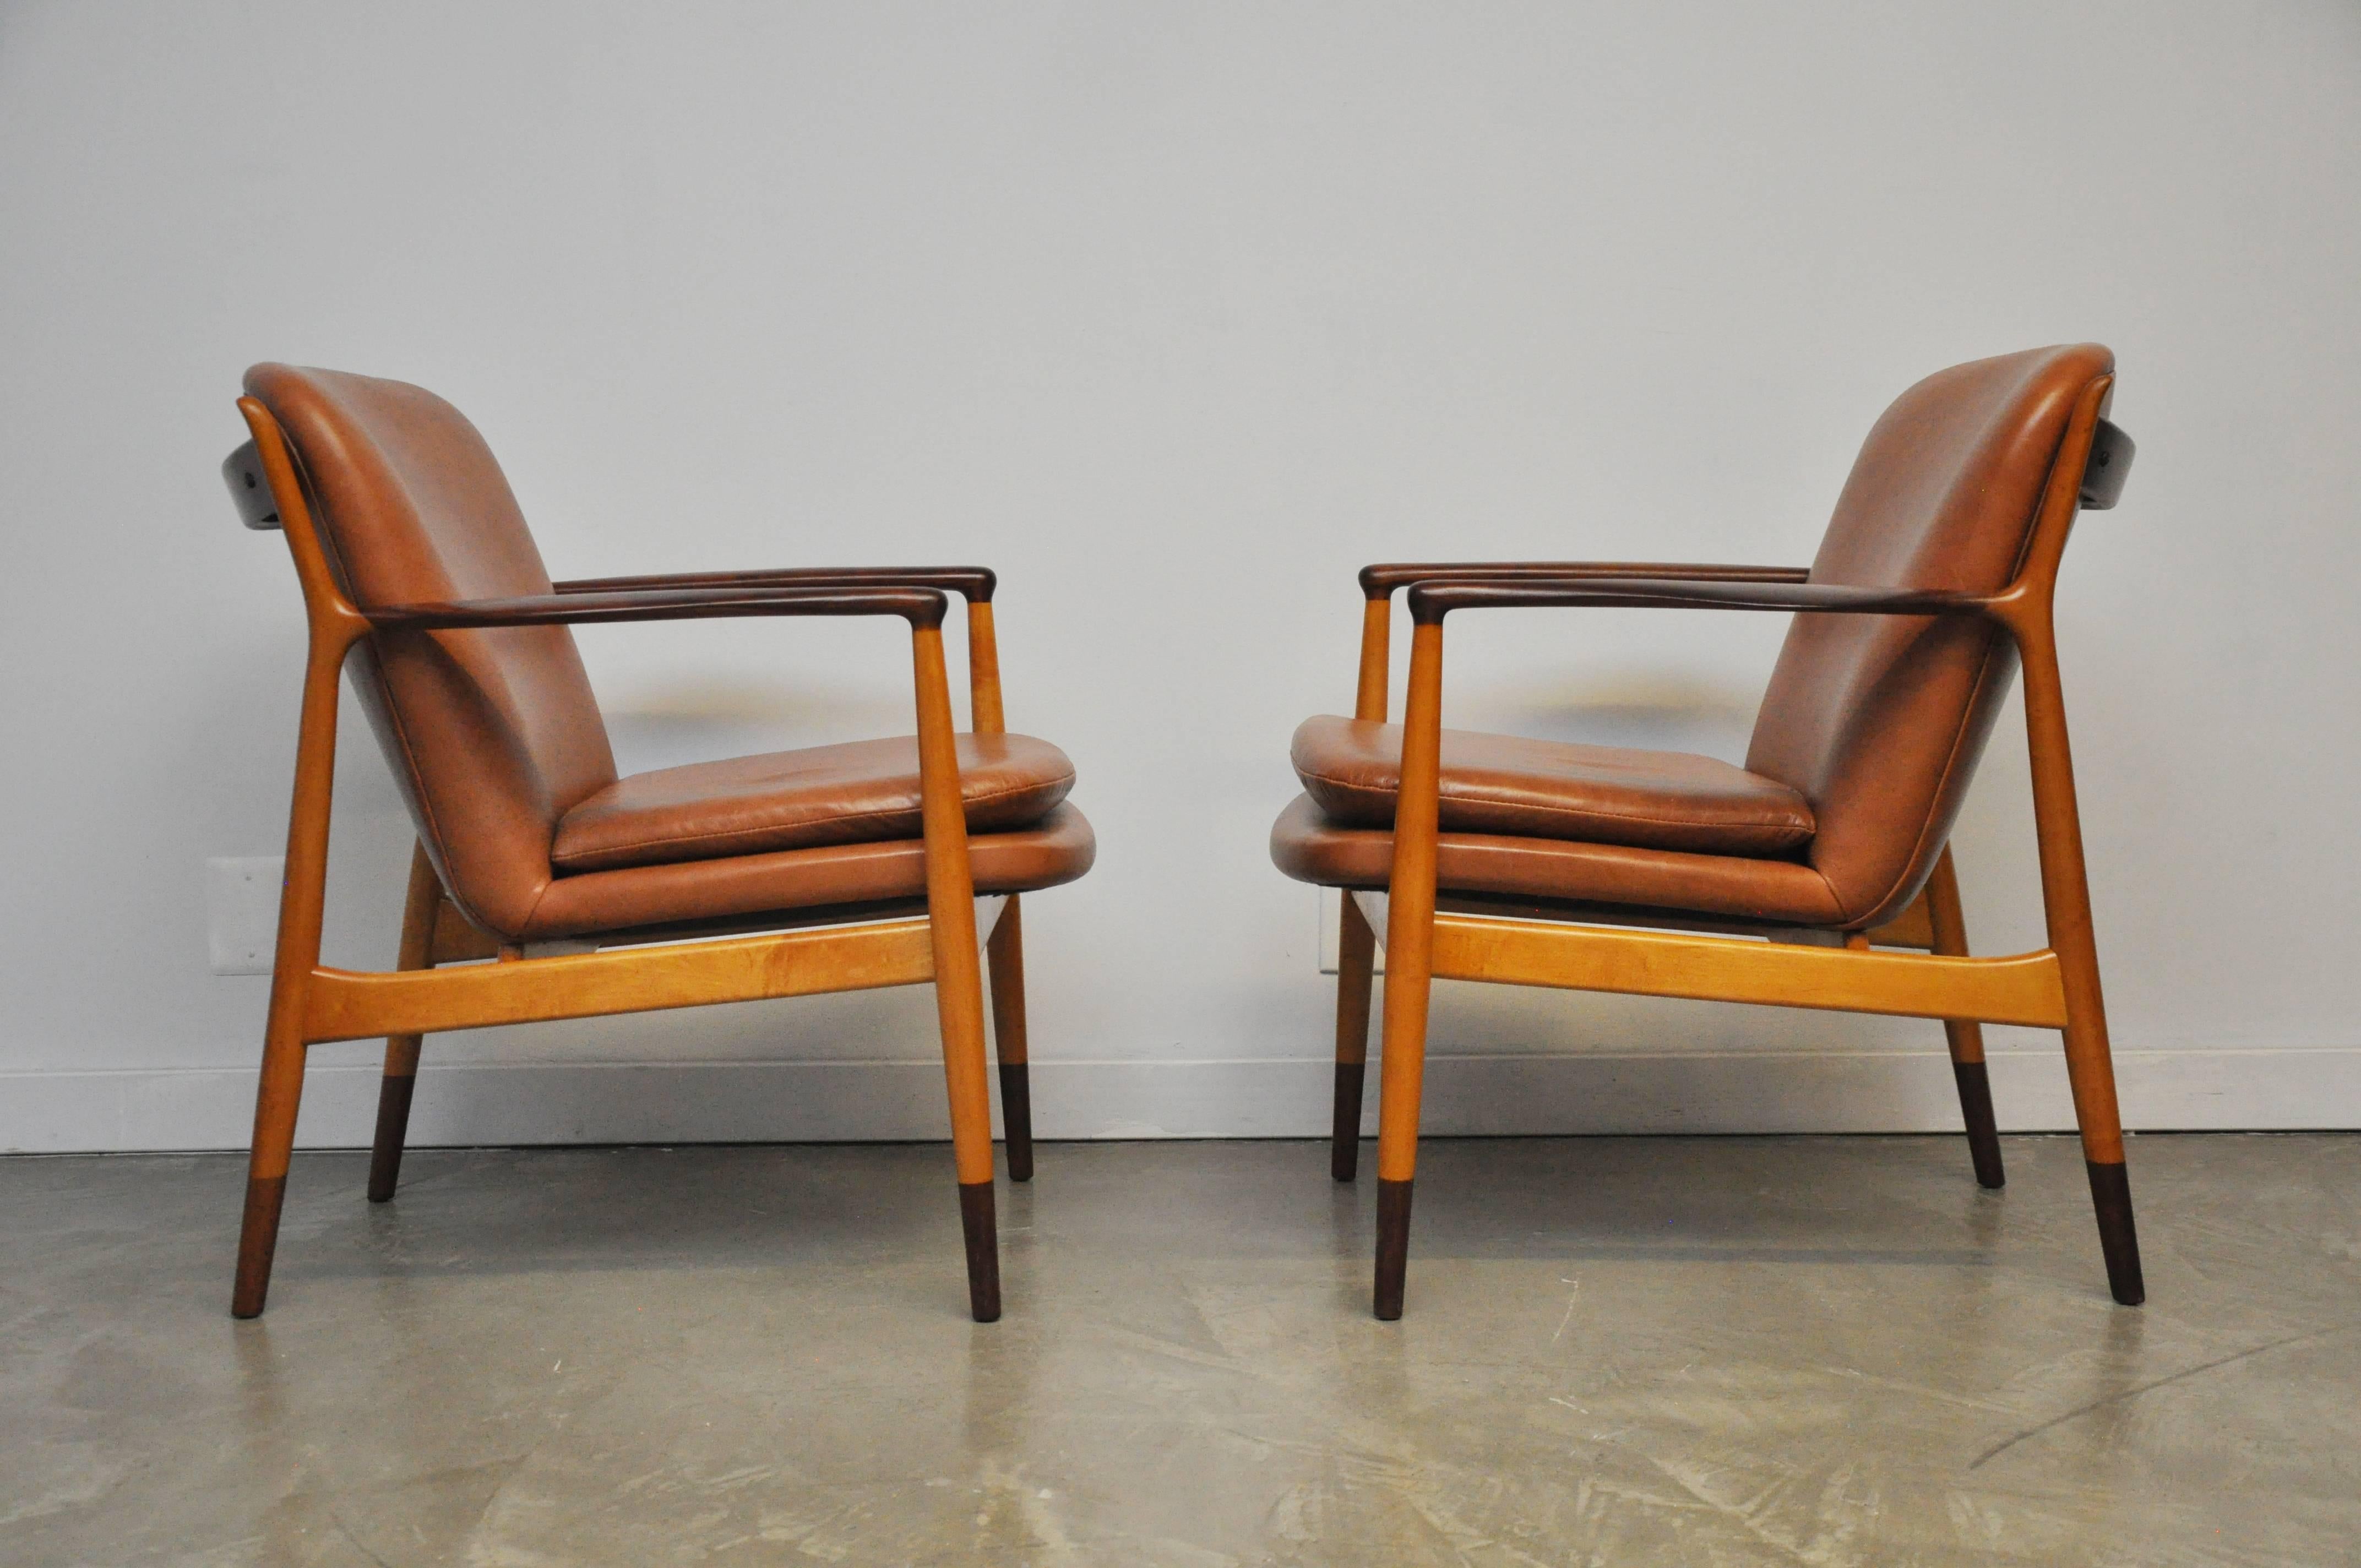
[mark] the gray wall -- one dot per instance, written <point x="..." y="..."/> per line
<point x="1177" y="314"/>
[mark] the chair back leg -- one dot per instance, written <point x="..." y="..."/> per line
<point x="1004" y="954"/>
<point x="301" y="901"/>
<point x="278" y="1098"/>
<point x="275" y="1104"/>
<point x="2089" y="1069"/>
<point x="1357" y="947"/>
<point x="2066" y="899"/>
<point x="418" y="911"/>
<point x="1965" y="1036"/>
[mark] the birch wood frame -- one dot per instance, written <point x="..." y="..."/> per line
<point x="311" y="1003"/>
<point x="2055" y="987"/>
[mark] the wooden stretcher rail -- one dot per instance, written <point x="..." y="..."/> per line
<point x="346" y="1004"/>
<point x="2024" y="989"/>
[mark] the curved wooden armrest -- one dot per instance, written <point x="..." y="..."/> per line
<point x="919" y="607"/>
<point x="1430" y="601"/>
<point x="1379" y="581"/>
<point x="974" y="583"/>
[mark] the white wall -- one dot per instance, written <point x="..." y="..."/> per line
<point x="1176" y="314"/>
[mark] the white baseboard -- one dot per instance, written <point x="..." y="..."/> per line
<point x="572" y="1103"/>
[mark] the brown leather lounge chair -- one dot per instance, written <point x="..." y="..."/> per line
<point x="862" y="862"/>
<point x="1528" y="862"/>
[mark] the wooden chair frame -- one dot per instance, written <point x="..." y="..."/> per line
<point x="311" y="1003"/>
<point x="1581" y="948"/>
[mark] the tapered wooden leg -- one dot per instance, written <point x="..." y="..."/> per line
<point x="1965" y="1035"/>
<point x="958" y="978"/>
<point x="302" y="897"/>
<point x="418" y="914"/>
<point x="2110" y="1199"/>
<point x="280" y="1096"/>
<point x="1357" y="947"/>
<point x="2066" y="896"/>
<point x="1398" y="1086"/>
<point x="963" y="1029"/>
<point x="1409" y="966"/>
<point x="1393" y="1247"/>
<point x="2090" y="1067"/>
<point x="1005" y="953"/>
<point x="1974" y="1083"/>
<point x="980" y="1229"/>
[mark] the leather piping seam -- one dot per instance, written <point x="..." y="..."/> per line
<point x="1950" y="765"/>
<point x="881" y="814"/>
<point x="324" y="533"/>
<point x="426" y="804"/>
<point x="1308" y="775"/>
<point x="1516" y="848"/>
<point x="1942" y="782"/>
<point x="1835" y="901"/>
<point x="524" y="931"/>
<point x="1983" y="675"/>
<point x="988" y="883"/>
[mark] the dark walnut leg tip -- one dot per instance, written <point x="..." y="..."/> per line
<point x="1345" y="1137"/>
<point x="1016" y="1118"/>
<point x="1983" y="1133"/>
<point x="258" y="1239"/>
<point x="982" y="1250"/>
<point x="2111" y="1193"/>
<point x="1393" y="1247"/>
<point x="392" y="1129"/>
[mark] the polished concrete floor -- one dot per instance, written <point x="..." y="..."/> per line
<point x="1618" y="1351"/>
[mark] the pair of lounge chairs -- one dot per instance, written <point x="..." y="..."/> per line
<point x="1471" y="857"/>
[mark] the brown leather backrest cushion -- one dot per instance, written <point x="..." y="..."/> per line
<point x="1878" y="720"/>
<point x="492" y="735"/>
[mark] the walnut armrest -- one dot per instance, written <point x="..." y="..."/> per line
<point x="1379" y="581"/>
<point x="1430" y="601"/>
<point x="920" y="607"/>
<point x="975" y="583"/>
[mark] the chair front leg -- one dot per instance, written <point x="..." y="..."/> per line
<point x="418" y="911"/>
<point x="1357" y="947"/>
<point x="1965" y="1036"/>
<point x="1409" y="972"/>
<point x="1005" y="953"/>
<point x="959" y="979"/>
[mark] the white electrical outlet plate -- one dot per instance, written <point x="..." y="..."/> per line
<point x="242" y="911"/>
<point x="1332" y="932"/>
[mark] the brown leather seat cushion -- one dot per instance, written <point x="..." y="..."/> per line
<point x="859" y="793"/>
<point x="1310" y="846"/>
<point x="1548" y="789"/>
<point x="1057" y="848"/>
